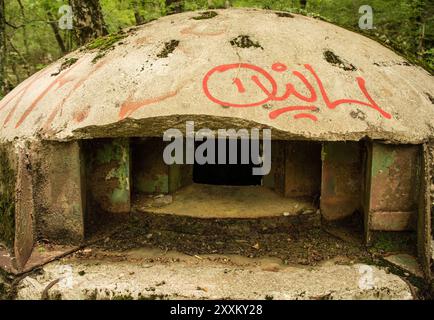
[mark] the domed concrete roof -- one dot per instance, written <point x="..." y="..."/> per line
<point x="305" y="78"/>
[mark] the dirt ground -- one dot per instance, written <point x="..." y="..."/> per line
<point x="176" y="244"/>
<point x="294" y="240"/>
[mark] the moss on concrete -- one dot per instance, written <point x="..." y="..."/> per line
<point x="394" y="242"/>
<point x="169" y="47"/>
<point x="65" y="65"/>
<point x="7" y="199"/>
<point x="104" y="44"/>
<point x="244" y="41"/>
<point x="333" y="59"/>
<point x="205" y="15"/>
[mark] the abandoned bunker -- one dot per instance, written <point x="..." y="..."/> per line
<point x="81" y="141"/>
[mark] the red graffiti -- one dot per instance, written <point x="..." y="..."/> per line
<point x="267" y="89"/>
<point x="60" y="81"/>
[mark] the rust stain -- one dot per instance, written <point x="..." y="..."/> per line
<point x="142" y="40"/>
<point x="22" y="93"/>
<point x="22" y="87"/>
<point x="191" y="30"/>
<point x="76" y="86"/>
<point x="81" y="115"/>
<point x="128" y="107"/>
<point x="61" y="81"/>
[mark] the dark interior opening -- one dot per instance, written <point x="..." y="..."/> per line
<point x="226" y="174"/>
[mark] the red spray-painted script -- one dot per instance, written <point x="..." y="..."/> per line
<point x="266" y="89"/>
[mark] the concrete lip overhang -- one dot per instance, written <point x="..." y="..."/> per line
<point x="302" y="77"/>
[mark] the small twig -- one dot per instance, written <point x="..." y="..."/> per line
<point x="44" y="295"/>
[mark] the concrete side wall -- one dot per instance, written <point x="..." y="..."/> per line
<point x="394" y="186"/>
<point x="295" y="168"/>
<point x="8" y="171"/>
<point x="180" y="175"/>
<point x="341" y="179"/>
<point x="302" y="169"/>
<point x="59" y="202"/>
<point x="150" y="173"/>
<point x="275" y="179"/>
<point x="24" y="208"/>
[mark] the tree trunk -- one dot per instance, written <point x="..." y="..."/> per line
<point x="303" y="4"/>
<point x="54" y="26"/>
<point x="174" y="6"/>
<point x="139" y="18"/>
<point x="25" y="38"/>
<point x="88" y="20"/>
<point x="2" y="48"/>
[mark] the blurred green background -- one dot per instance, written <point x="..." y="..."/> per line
<point x="407" y="26"/>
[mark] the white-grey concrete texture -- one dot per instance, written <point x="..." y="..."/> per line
<point x="239" y="68"/>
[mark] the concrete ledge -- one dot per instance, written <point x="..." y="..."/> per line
<point x="161" y="275"/>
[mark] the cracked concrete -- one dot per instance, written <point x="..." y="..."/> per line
<point x="153" y="274"/>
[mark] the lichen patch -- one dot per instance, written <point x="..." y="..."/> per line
<point x="205" y="15"/>
<point x="65" y="65"/>
<point x="430" y="97"/>
<point x="169" y="47"/>
<point x="105" y="44"/>
<point x="335" y="60"/>
<point x="284" y="15"/>
<point x="244" y="41"/>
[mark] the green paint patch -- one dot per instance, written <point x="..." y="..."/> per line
<point x="160" y="184"/>
<point x="7" y="200"/>
<point x="382" y="160"/>
<point x="117" y="152"/>
<point x="114" y="151"/>
<point x="120" y="195"/>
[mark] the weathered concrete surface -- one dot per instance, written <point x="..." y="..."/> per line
<point x="151" y="174"/>
<point x="394" y="186"/>
<point x="210" y="201"/>
<point x="163" y="73"/>
<point x="302" y="169"/>
<point x="8" y="180"/>
<point x="406" y="262"/>
<point x="24" y="210"/>
<point x="341" y="179"/>
<point x="154" y="274"/>
<point x="58" y="194"/>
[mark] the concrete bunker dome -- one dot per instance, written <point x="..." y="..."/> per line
<point x="355" y="115"/>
